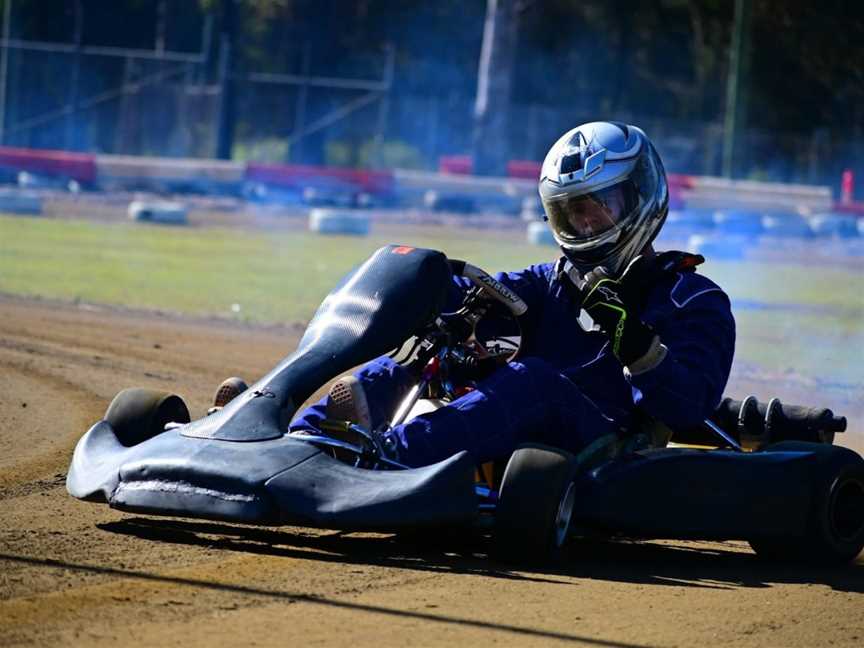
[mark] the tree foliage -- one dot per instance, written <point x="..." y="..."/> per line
<point x="653" y="59"/>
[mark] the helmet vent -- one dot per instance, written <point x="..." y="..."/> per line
<point x="595" y="162"/>
<point x="571" y="163"/>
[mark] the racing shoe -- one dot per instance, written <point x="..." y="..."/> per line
<point x="347" y="402"/>
<point x="230" y="389"/>
<point x="347" y="410"/>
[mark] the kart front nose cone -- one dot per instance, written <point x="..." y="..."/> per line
<point x="95" y="468"/>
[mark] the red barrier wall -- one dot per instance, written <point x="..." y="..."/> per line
<point x="677" y="184"/>
<point x="456" y="164"/>
<point x="855" y="208"/>
<point x="78" y="166"/>
<point x="525" y="169"/>
<point x="298" y="175"/>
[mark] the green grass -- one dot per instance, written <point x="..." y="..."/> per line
<point x="273" y="275"/>
<point x="281" y="276"/>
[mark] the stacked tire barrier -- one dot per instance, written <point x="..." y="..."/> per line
<point x="538" y="233"/>
<point x="158" y="211"/>
<point x="738" y="223"/>
<point x="728" y="215"/>
<point x="730" y="234"/>
<point x="20" y="202"/>
<point x="339" y="221"/>
<point x="532" y="209"/>
<point x="835" y="225"/>
<point x="786" y="225"/>
<point x="725" y="248"/>
<point x="683" y="223"/>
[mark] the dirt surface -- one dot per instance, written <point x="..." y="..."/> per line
<point x="73" y="573"/>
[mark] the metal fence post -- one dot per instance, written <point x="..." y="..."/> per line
<point x="4" y="67"/>
<point x="225" y="121"/>
<point x="295" y="150"/>
<point x="72" y="106"/>
<point x="383" y="108"/>
<point x="736" y="87"/>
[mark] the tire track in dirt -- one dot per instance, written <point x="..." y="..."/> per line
<point x="75" y="573"/>
<point x="47" y="414"/>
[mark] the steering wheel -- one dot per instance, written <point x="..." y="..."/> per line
<point x="493" y="311"/>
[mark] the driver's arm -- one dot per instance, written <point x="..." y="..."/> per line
<point x="687" y="385"/>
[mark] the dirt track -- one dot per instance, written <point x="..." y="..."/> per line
<point x="78" y="573"/>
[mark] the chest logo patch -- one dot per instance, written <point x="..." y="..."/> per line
<point x="609" y="294"/>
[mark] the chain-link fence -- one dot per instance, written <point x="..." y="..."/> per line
<point x="169" y="104"/>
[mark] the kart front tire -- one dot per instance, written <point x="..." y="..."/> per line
<point x="535" y="505"/>
<point x="835" y="526"/>
<point x="139" y="414"/>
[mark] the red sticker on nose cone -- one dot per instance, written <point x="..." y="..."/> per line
<point x="403" y="249"/>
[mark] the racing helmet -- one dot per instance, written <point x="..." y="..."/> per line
<point x="604" y="194"/>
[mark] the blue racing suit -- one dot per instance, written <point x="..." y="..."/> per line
<point x="567" y="388"/>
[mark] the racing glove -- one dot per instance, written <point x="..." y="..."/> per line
<point x="616" y="306"/>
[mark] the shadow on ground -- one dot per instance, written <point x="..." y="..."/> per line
<point x="700" y="565"/>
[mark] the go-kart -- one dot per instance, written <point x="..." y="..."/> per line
<point x="766" y="473"/>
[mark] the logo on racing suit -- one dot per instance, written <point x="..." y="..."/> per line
<point x="609" y="294"/>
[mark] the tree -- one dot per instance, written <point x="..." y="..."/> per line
<point x="494" y="79"/>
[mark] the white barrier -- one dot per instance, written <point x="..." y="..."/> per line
<point x="20" y="202"/>
<point x="463" y="184"/>
<point x="170" y="172"/>
<point x="538" y="233"/>
<point x="722" y="193"/>
<point x="459" y="203"/>
<point x="158" y="211"/>
<point x="339" y="221"/>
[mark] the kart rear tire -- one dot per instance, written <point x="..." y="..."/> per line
<point x="139" y="414"/>
<point x="835" y="527"/>
<point x="535" y="505"/>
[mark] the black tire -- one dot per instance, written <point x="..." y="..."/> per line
<point x="139" y="414"/>
<point x="835" y="526"/>
<point x="535" y="505"/>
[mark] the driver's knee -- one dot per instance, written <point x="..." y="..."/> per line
<point x="533" y="366"/>
<point x="526" y="374"/>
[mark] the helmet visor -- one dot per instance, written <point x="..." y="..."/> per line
<point x="575" y="219"/>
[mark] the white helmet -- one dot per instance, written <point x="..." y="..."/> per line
<point x="604" y="192"/>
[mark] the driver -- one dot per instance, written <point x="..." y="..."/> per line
<point x="615" y="333"/>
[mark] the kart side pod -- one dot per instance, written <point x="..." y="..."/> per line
<point x="793" y="499"/>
